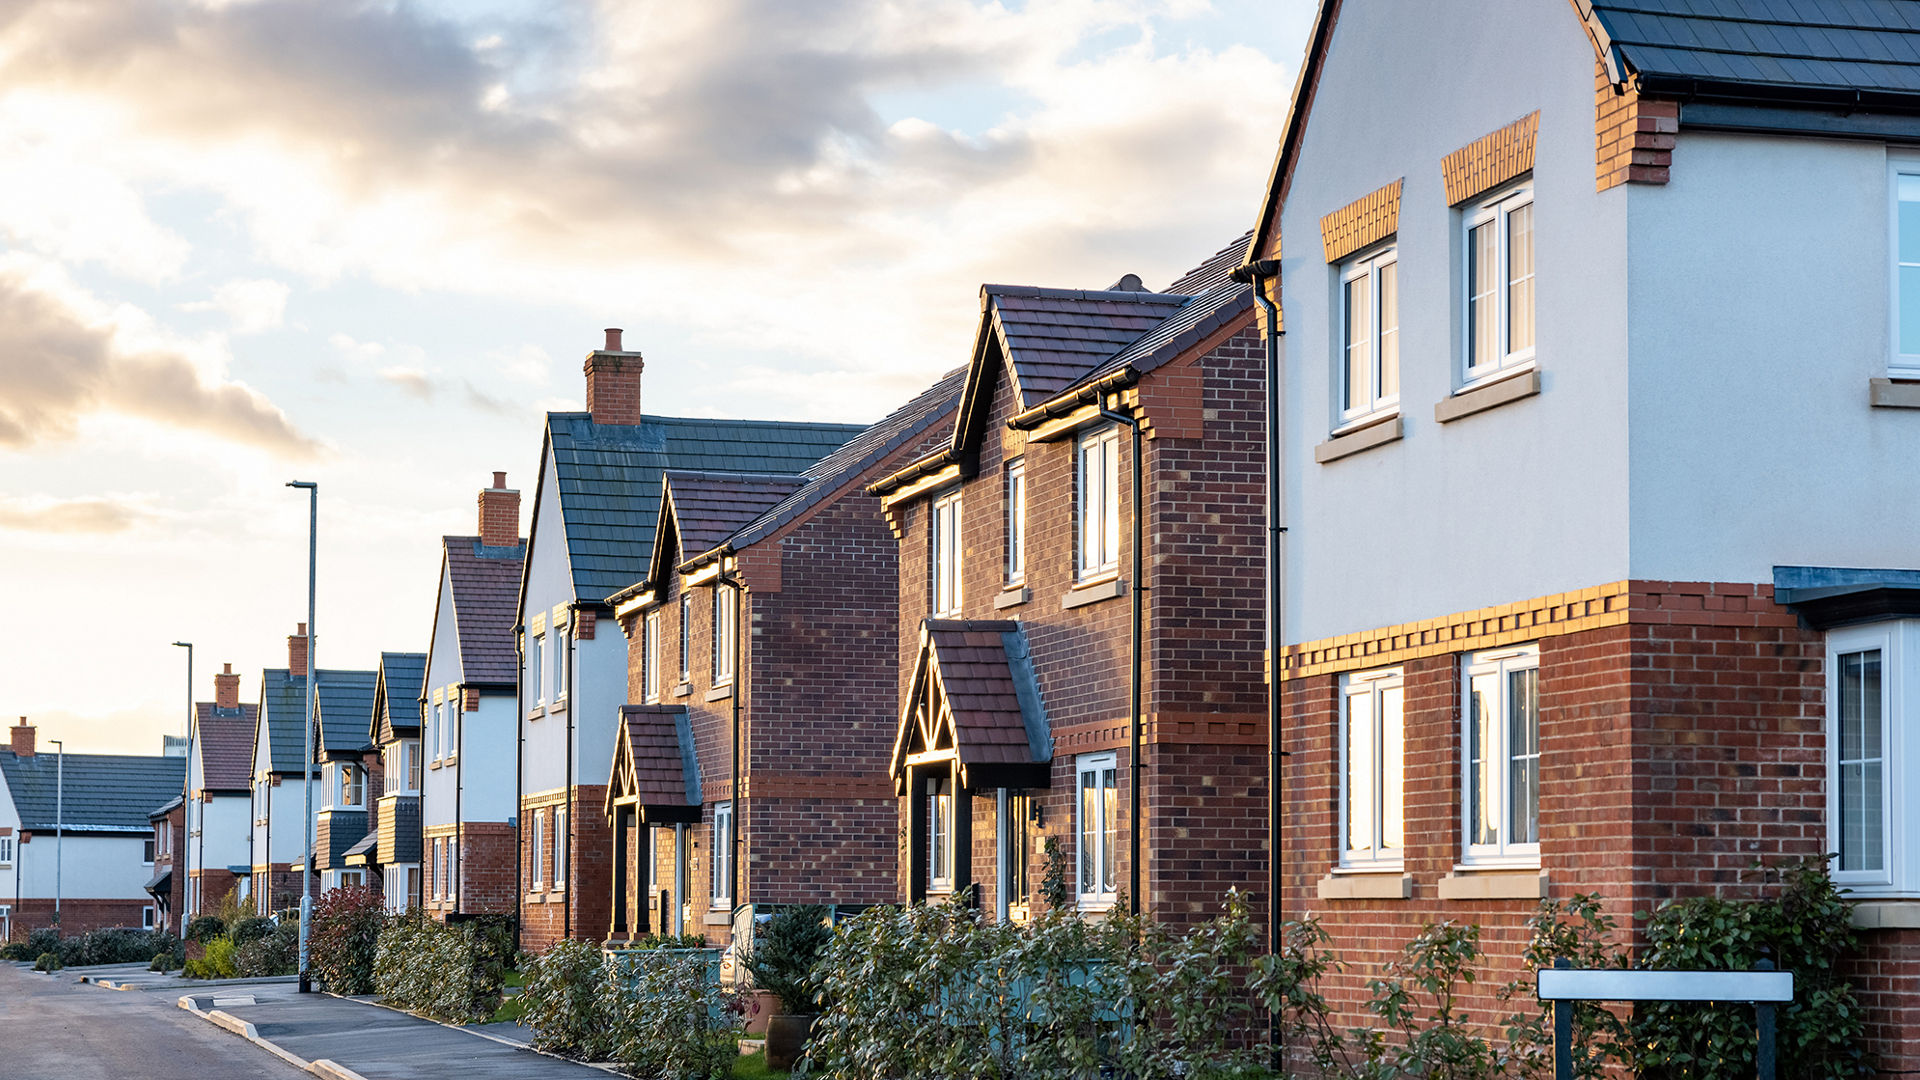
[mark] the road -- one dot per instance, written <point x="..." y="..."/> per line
<point x="54" y="1028"/>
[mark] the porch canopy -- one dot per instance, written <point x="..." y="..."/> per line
<point x="655" y="770"/>
<point x="974" y="705"/>
<point x="361" y="853"/>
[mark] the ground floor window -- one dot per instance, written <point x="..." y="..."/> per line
<point x="1372" y="732"/>
<point x="940" y="834"/>
<point x="1098" y="811"/>
<point x="148" y="916"/>
<point x="1500" y="801"/>
<point x="1016" y="853"/>
<point x="722" y="860"/>
<point x="1870" y="768"/>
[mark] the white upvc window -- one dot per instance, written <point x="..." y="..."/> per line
<point x="558" y="639"/>
<point x="1904" y="186"/>
<point x="944" y="536"/>
<point x="1097" y="811"/>
<point x="1871" y="768"/>
<point x="940" y="834"/>
<point x="539" y="850"/>
<point x="147" y="917"/>
<point x="726" y="613"/>
<point x="410" y="753"/>
<point x="1500" y="752"/>
<point x="686" y="637"/>
<point x="452" y="727"/>
<point x="1372" y="772"/>
<point x="1016" y="499"/>
<point x="1097" y="539"/>
<point x="147" y="848"/>
<point x="722" y="860"/>
<point x="560" y="847"/>
<point x="650" y="657"/>
<point x="536" y="677"/>
<point x="1498" y="293"/>
<point x="1370" y="335"/>
<point x="453" y="867"/>
<point x="439" y="733"/>
<point x="353" y="786"/>
<point x="6" y="851"/>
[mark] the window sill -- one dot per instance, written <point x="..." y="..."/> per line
<point x="558" y="706"/>
<point x="1886" y="915"/>
<point x="713" y="918"/>
<point x="720" y="693"/>
<point x="1377" y="433"/>
<point x="1478" y="399"/>
<point x="536" y="712"/>
<point x="1349" y="883"/>
<point x="1895" y="393"/>
<point x="683" y="689"/>
<point x="1012" y="596"/>
<point x="433" y="764"/>
<point x="1082" y="595"/>
<point x="1493" y="884"/>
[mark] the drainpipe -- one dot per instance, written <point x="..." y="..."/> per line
<point x="459" y="711"/>
<point x="519" y="782"/>
<point x="1258" y="273"/>
<point x="565" y="843"/>
<point x="1134" y="821"/>
<point x="739" y="686"/>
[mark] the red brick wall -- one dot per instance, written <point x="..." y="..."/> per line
<point x="281" y="888"/>
<point x="584" y="908"/>
<point x="77" y="915"/>
<point x="486" y="868"/>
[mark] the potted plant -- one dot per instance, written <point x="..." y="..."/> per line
<point x="785" y="950"/>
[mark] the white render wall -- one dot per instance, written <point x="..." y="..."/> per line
<point x="549" y="583"/>
<point x="1526" y="499"/>
<point x="92" y="867"/>
<point x="224" y="826"/>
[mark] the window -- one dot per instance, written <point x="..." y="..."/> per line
<point x="1499" y="283"/>
<point x="539" y="850"/>
<point x="1017" y="522"/>
<point x="450" y="731"/>
<point x="1906" y="271"/>
<point x="260" y="800"/>
<point x="686" y="637"/>
<point x="353" y="785"/>
<point x="650" y="657"/>
<point x="944" y="536"/>
<point x="146" y="851"/>
<point x="413" y="885"/>
<point x="1099" y="778"/>
<point x="1371" y="768"/>
<point x="453" y="867"/>
<point x="1019" y="852"/>
<point x="1501" y="803"/>
<point x="559" y="641"/>
<point x="561" y="842"/>
<point x="940" y="835"/>
<point x="438" y="875"/>
<point x="6" y="851"/>
<point x="353" y="877"/>
<point x="722" y="855"/>
<point x="1097" y="550"/>
<point x="439" y="733"/>
<point x="1370" y="338"/>
<point x="1870" y="771"/>
<point x="536" y="676"/>
<point x="147" y="916"/>
<point x="411" y="751"/>
<point x="726" y="603"/>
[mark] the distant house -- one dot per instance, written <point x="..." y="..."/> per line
<point x="349" y="775"/>
<point x="591" y="532"/>
<point x="468" y="700"/>
<point x="794" y="667"/>
<point x="219" y="768"/>
<point x="279" y="799"/>
<point x="391" y="849"/>
<point x="167" y="888"/>
<point x="82" y="826"/>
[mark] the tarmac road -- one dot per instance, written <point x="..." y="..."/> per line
<point x="55" y="1028"/>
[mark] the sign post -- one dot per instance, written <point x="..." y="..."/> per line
<point x="1564" y="985"/>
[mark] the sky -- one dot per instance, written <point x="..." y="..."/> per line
<point x="244" y="242"/>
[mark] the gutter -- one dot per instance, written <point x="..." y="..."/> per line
<point x="1091" y="394"/>
<point x="926" y="466"/>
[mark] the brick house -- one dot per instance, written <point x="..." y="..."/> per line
<point x="350" y="774"/>
<point x="96" y="810"/>
<point x="590" y="532"/>
<point x="1016" y="593"/>
<point x="1594" y="576"/>
<point x="167" y="888"/>
<point x="391" y="849"/>
<point x="279" y="801"/>
<point x="805" y="563"/>
<point x="219" y="760"/>
<point x="468" y="701"/>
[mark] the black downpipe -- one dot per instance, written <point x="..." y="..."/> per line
<point x="1138" y="586"/>
<point x="567" y="898"/>
<point x="735" y="833"/>
<point x="519" y="780"/>
<point x="459" y="787"/>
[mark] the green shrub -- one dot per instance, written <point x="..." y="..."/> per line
<point x="249" y="928"/>
<point x="16" y="950"/>
<point x="1579" y="931"/>
<point x="275" y="953"/>
<point x="341" y="936"/>
<point x="49" y="961"/>
<point x="116" y="945"/>
<point x="166" y="961"/>
<point x="672" y="1019"/>
<point x="785" y="950"/>
<point x="216" y="961"/>
<point x="450" y="973"/>
<point x="1418" y="1001"/>
<point x="1798" y="920"/>
<point x="566" y="998"/>
<point x="204" y="928"/>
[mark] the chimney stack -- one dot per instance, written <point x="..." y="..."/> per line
<point x="297" y="653"/>
<point x="23" y="739"/>
<point x="613" y="382"/>
<point x="499" y="514"/>
<point x="226" y="689"/>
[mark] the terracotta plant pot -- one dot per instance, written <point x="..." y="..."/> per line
<point x="765" y="1005"/>
<point x="786" y="1039"/>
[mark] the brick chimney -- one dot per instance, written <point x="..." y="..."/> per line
<point x="23" y="738"/>
<point x="499" y="514"/>
<point x="613" y="382"/>
<point x="226" y="687"/>
<point x="297" y="652"/>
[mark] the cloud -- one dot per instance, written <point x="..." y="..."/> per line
<point x="411" y="380"/>
<point x="65" y="355"/>
<point x="68" y="515"/>
<point x="252" y="305"/>
<point x="428" y="387"/>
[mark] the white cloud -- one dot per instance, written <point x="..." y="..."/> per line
<point x="253" y="306"/>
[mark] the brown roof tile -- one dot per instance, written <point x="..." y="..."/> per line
<point x="225" y="745"/>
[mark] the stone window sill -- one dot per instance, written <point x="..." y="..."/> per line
<point x="716" y="918"/>
<point x="559" y="706"/>
<point x="1894" y="393"/>
<point x="1887" y="915"/>
<point x="536" y="712"/>
<point x="1093" y="593"/>
<point x="1378" y="433"/>
<point x="1367" y="885"/>
<point x="1479" y="399"/>
<point x="1012" y="597"/>
<point x="683" y="690"/>
<point x="1490" y="884"/>
<point x="720" y="693"/>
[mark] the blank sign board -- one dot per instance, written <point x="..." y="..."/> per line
<point x="1568" y="984"/>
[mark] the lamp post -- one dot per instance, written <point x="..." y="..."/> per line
<point x="186" y="782"/>
<point x="306" y="761"/>
<point x="59" y="824"/>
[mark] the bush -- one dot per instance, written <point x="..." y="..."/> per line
<point x="166" y="961"/>
<point x="1418" y="1001"/>
<point x="15" y="950"/>
<point x="450" y="973"/>
<point x="341" y="937"/>
<point x="674" y="1019"/>
<point x="204" y="928"/>
<point x="43" y="940"/>
<point x="250" y="928"/>
<point x="567" y="1000"/>
<point x="785" y="950"/>
<point x="117" y="945"/>
<point x="49" y="961"/>
<point x="216" y="961"/>
<point x="275" y="953"/>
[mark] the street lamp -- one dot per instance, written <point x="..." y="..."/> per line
<point x="306" y="761"/>
<point x="59" y="825"/>
<point x="186" y="780"/>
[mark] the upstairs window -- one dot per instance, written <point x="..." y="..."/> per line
<point x="1097" y="543"/>
<point x="686" y="637"/>
<point x="536" y="674"/>
<point x="726" y="610"/>
<point x="1905" y="362"/>
<point x="559" y="639"/>
<point x="147" y="848"/>
<point x="650" y="657"/>
<point x="945" y="560"/>
<point x="1370" y="337"/>
<point x="411" y="751"/>
<point x="1016" y="499"/>
<point x="1372" y="776"/>
<point x="1871" y="770"/>
<point x="1499" y="283"/>
<point x="1501" y="801"/>
<point x="353" y="786"/>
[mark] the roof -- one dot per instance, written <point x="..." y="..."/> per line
<point x="225" y="745"/>
<point x="401" y="674"/>
<point x="486" y="607"/>
<point x="346" y="700"/>
<point x="655" y="766"/>
<point x="609" y="480"/>
<point x="1052" y="337"/>
<point x="974" y="694"/>
<point x="708" y="508"/>
<point x="283" y="704"/>
<point x="166" y="808"/>
<point x="91" y="792"/>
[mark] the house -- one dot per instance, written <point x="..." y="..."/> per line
<point x="279" y="795"/>
<point x="167" y="888"/>
<point x="1019" y="587"/>
<point x="349" y="773"/>
<point x="469" y="698"/>
<point x="78" y="828"/>
<point x="391" y="848"/>
<point x="594" y="512"/>
<point x="765" y="625"/>
<point x="219" y="779"/>
<point x="1600" y="518"/>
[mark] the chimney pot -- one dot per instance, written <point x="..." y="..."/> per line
<point x="226" y="669"/>
<point x="499" y="480"/>
<point x="613" y="339"/>
<point x="22" y="734"/>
